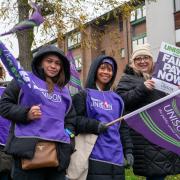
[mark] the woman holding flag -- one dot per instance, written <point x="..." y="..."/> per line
<point x="40" y="108"/>
<point x="137" y="90"/>
<point x="97" y="101"/>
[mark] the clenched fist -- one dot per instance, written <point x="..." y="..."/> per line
<point x="34" y="112"/>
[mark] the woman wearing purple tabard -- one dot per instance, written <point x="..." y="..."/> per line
<point x="40" y="108"/>
<point x="97" y="101"/>
<point x="5" y="160"/>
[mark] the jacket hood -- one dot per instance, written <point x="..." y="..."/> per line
<point x="46" y="50"/>
<point x="91" y="78"/>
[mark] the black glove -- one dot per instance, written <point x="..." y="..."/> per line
<point x="102" y="128"/>
<point x="130" y="160"/>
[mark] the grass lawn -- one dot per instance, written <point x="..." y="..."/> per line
<point x="131" y="176"/>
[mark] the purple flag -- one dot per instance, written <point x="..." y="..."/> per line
<point x="17" y="72"/>
<point x="35" y="20"/>
<point x="74" y="80"/>
<point x="159" y="122"/>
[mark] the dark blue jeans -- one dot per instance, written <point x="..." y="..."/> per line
<point x="156" y="178"/>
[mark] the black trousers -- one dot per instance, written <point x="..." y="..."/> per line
<point x="105" y="171"/>
<point x="36" y="174"/>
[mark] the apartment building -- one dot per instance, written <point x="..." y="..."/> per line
<point x="114" y="35"/>
<point x="109" y="34"/>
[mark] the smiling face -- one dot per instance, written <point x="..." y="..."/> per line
<point x="104" y="75"/>
<point x="51" y="65"/>
<point x="143" y="63"/>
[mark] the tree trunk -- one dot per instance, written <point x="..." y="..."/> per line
<point x="26" y="37"/>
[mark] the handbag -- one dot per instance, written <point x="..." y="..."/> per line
<point x="45" y="156"/>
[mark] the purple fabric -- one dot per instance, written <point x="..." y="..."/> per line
<point x="109" y="61"/>
<point x="106" y="106"/>
<point x="35" y="20"/>
<point x="4" y="125"/>
<point x="159" y="123"/>
<point x="53" y="106"/>
<point x="75" y="79"/>
<point x="36" y="17"/>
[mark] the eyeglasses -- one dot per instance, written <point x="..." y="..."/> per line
<point x="142" y="58"/>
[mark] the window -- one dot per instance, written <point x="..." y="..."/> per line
<point x="74" y="39"/>
<point x="177" y="5"/>
<point x="143" y="11"/>
<point x="139" y="40"/>
<point x="138" y="13"/>
<point x="177" y="35"/>
<point x="145" y="39"/>
<point x="122" y="52"/>
<point x="78" y="62"/>
<point x="133" y="16"/>
<point x="121" y="25"/>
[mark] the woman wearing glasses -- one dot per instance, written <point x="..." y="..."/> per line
<point x="137" y="90"/>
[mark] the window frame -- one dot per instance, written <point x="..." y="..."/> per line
<point x="122" y="52"/>
<point x="134" y="14"/>
<point x="73" y="40"/>
<point x="136" y="40"/>
<point x="176" y="5"/>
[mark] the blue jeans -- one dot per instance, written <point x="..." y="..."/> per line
<point x="156" y="178"/>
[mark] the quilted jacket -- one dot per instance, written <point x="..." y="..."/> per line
<point x="150" y="159"/>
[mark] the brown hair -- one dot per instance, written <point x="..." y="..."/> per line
<point x="2" y="72"/>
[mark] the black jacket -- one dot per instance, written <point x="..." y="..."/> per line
<point x="150" y="159"/>
<point x="99" y="170"/>
<point x="12" y="110"/>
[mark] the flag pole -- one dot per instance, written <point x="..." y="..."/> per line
<point x="115" y="121"/>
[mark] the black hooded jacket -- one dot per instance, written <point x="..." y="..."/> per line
<point x="91" y="78"/>
<point x="51" y="49"/>
<point x="149" y="159"/>
<point x="10" y="109"/>
<point x="99" y="170"/>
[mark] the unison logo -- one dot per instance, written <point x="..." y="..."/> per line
<point x="173" y="117"/>
<point x="53" y="97"/>
<point x="100" y="104"/>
